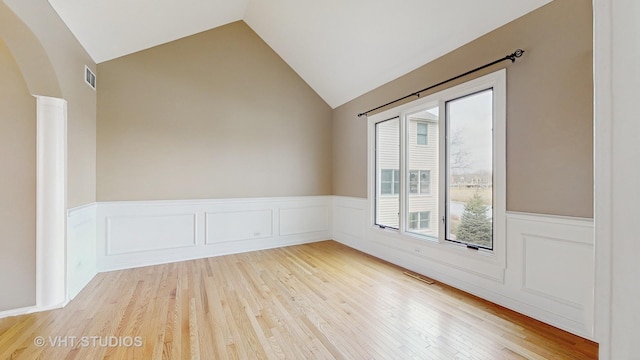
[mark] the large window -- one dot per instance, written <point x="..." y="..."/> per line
<point x="439" y="165"/>
<point x="469" y="169"/>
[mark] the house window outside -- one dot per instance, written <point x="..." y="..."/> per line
<point x="425" y="216"/>
<point x="423" y="133"/>
<point x="419" y="220"/>
<point x="420" y="182"/>
<point x="390" y="182"/>
<point x="425" y="182"/>
<point x="414" y="182"/>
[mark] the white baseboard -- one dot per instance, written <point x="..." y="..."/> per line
<point x="18" y="311"/>
<point x="31" y="309"/>
<point x="548" y="273"/>
<point x="141" y="233"/>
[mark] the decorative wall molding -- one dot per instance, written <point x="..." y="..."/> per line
<point x="232" y="226"/>
<point x="549" y="265"/>
<point x="126" y="234"/>
<point x="140" y="233"/>
<point x="553" y="259"/>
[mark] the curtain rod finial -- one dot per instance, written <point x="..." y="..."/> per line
<point x="516" y="54"/>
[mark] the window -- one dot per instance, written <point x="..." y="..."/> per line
<point x="389" y="182"/>
<point x="424" y="219"/>
<point x="422" y="133"/>
<point x="413" y="220"/>
<point x="425" y="182"/>
<point x="420" y="182"/>
<point x="413" y="182"/>
<point x="461" y="172"/>
<point x="419" y="220"/>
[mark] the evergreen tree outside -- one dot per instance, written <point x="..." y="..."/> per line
<point x="475" y="226"/>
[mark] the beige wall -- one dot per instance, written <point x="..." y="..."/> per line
<point x="549" y="110"/>
<point x="68" y="59"/>
<point x="214" y="115"/>
<point x="17" y="186"/>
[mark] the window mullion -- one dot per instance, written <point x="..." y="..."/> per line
<point x="442" y="173"/>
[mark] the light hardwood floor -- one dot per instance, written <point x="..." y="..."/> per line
<point x="321" y="300"/>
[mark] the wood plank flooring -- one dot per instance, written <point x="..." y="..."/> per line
<point x="314" y="301"/>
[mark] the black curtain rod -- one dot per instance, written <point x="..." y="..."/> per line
<point x="516" y="54"/>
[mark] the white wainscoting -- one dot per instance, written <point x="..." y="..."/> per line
<point x="553" y="270"/>
<point x="548" y="273"/>
<point x="139" y="233"/>
<point x="81" y="248"/>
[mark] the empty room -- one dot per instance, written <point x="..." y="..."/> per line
<point x="319" y="180"/>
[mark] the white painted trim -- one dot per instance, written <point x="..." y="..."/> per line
<point x="51" y="202"/>
<point x="19" y="311"/>
<point x="603" y="160"/>
<point x="555" y="219"/>
<point x="31" y="309"/>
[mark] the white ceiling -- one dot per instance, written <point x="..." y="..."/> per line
<point x="341" y="48"/>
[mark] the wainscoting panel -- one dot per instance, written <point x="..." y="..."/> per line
<point x="553" y="260"/>
<point x="81" y="248"/>
<point x="238" y="225"/>
<point x="140" y="233"/>
<point x="349" y="219"/>
<point x="554" y="268"/>
<point x="136" y="233"/>
<point x="299" y="220"/>
<point x="548" y="273"/>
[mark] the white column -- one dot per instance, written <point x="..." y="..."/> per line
<point x="51" y="202"/>
<point x="603" y="156"/>
<point x="625" y="199"/>
<point x="617" y="130"/>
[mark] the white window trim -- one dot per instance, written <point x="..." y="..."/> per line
<point x="445" y="250"/>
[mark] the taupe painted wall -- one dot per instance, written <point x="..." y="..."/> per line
<point x="68" y="59"/>
<point x="17" y="186"/>
<point x="215" y="115"/>
<point x="549" y="110"/>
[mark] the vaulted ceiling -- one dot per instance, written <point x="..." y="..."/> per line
<point x="341" y="48"/>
